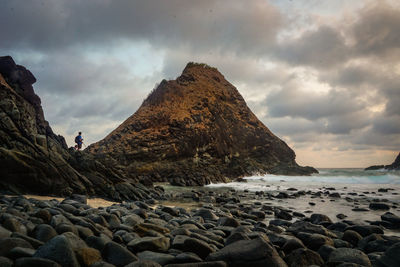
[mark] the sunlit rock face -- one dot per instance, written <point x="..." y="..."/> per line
<point x="195" y="130"/>
<point x="35" y="160"/>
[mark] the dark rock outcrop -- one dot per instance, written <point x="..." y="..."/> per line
<point x="394" y="166"/>
<point x="195" y="130"/>
<point x="33" y="159"/>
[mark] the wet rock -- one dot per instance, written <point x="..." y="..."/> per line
<point x="317" y="218"/>
<point x="284" y="215"/>
<point x="78" y="198"/>
<point x="187" y="257"/>
<point x="377" y="243"/>
<point x="142" y="263"/>
<point x="236" y="237"/>
<point x="87" y="256"/>
<point x="348" y="255"/>
<point x="338" y="226"/>
<point x="96" y="242"/>
<point x="391" y="258"/>
<point x="9" y="243"/>
<point x="255" y="252"/>
<point x="292" y="244"/>
<point x="379" y="206"/>
<point x="206" y="214"/>
<point x="307" y="227"/>
<point x="75" y="242"/>
<point x="65" y="227"/>
<point x="4" y="233"/>
<point x="158" y="244"/>
<point x="228" y="221"/>
<point x="302" y="257"/>
<point x="365" y="230"/>
<point x="314" y="241"/>
<point x="19" y="252"/>
<point x="200" y="264"/>
<point x="201" y="248"/>
<point x="118" y="255"/>
<point x="172" y="211"/>
<point x="339" y="243"/>
<point x="178" y="242"/>
<point x="35" y="262"/>
<point x="6" y="262"/>
<point x="14" y="225"/>
<point x="102" y="264"/>
<point x="44" y="232"/>
<point x="59" y="250"/>
<point x="282" y="195"/>
<point x="335" y="195"/>
<point x="325" y="250"/>
<point x="390" y="217"/>
<point x="34" y="242"/>
<point x="352" y="237"/>
<point x="160" y="258"/>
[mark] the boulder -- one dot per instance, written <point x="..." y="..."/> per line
<point x="160" y="258"/>
<point x="303" y="257"/>
<point x="255" y="252"/>
<point x="35" y="262"/>
<point x="157" y="244"/>
<point x="118" y="255"/>
<point x="201" y="248"/>
<point x="348" y="255"/>
<point x="391" y="258"/>
<point x="352" y="237"/>
<point x="58" y="249"/>
<point x="7" y="244"/>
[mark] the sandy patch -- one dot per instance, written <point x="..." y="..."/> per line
<point x="93" y="202"/>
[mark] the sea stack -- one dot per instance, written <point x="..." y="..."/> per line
<point x="195" y="130"/>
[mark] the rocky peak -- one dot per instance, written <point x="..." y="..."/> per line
<point x="195" y="130"/>
<point x="19" y="78"/>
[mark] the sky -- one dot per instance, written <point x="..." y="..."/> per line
<point x="322" y="75"/>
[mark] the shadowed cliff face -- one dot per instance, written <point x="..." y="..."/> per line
<point x="394" y="166"/>
<point x="195" y="130"/>
<point x="35" y="160"/>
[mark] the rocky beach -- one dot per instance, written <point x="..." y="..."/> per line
<point x="205" y="226"/>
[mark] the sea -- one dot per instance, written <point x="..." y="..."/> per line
<point x="357" y="188"/>
<point x="354" y="180"/>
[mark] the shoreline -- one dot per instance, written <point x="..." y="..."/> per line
<point x="204" y="226"/>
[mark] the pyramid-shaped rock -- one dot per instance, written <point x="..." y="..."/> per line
<point x="195" y="130"/>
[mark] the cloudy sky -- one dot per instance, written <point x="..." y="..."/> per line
<point x="323" y="75"/>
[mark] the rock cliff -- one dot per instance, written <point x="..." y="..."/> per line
<point x="195" y="130"/>
<point x="394" y="166"/>
<point x="35" y="160"/>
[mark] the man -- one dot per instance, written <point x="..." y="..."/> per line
<point x="79" y="141"/>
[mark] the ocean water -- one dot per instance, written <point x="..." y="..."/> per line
<point x="350" y="180"/>
<point x="357" y="188"/>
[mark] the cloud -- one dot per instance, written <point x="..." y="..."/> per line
<point x="321" y="48"/>
<point x="323" y="76"/>
<point x="376" y="31"/>
<point x="203" y="25"/>
<point x="294" y="101"/>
